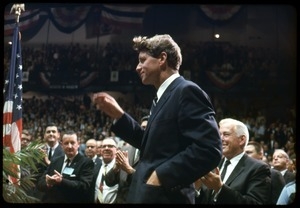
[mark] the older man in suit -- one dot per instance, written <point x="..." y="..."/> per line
<point x="181" y="141"/>
<point x="91" y="152"/>
<point x="254" y="149"/>
<point x="69" y="177"/>
<point x="243" y="179"/>
<point x="280" y="162"/>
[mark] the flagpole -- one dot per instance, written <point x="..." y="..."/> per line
<point x="12" y="109"/>
<point x="18" y="9"/>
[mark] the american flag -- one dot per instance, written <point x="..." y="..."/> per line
<point x="12" y="109"/>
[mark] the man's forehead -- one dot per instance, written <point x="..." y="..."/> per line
<point x="279" y="154"/>
<point x="91" y="142"/>
<point x="51" y="128"/>
<point x="249" y="147"/>
<point x="108" y="141"/>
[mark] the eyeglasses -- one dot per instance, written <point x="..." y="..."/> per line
<point x="25" y="140"/>
<point x="108" y="146"/>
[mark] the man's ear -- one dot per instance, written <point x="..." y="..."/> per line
<point x="163" y="57"/>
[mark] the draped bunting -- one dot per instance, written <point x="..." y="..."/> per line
<point x="220" y="13"/>
<point x="68" y="18"/>
<point x="28" y="20"/>
<point x="105" y="19"/>
<point x="108" y="17"/>
<point x="224" y="80"/>
<point x="123" y="15"/>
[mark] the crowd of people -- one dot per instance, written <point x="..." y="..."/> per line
<point x="261" y="68"/>
<point x="71" y="112"/>
<point x="184" y="148"/>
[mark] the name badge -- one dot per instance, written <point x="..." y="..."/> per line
<point x="68" y="170"/>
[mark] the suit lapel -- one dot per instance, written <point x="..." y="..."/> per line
<point x="237" y="170"/>
<point x="75" y="160"/>
<point x="161" y="102"/>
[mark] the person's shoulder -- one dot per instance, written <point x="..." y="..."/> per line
<point x="58" y="158"/>
<point x="292" y="183"/>
<point x="59" y="148"/>
<point x="256" y="162"/>
<point x="275" y="172"/>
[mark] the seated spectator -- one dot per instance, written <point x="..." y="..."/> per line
<point x="255" y="150"/>
<point x="239" y="179"/>
<point x="280" y="162"/>
<point x="25" y="138"/>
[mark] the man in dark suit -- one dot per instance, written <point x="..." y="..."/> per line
<point x="244" y="180"/>
<point x="53" y="147"/>
<point x="181" y="141"/>
<point x="280" y="162"/>
<point x="52" y="150"/>
<point x="91" y="152"/>
<point x="254" y="149"/>
<point x="68" y="177"/>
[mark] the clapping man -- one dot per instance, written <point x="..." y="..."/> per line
<point x="239" y="179"/>
<point x="68" y="177"/>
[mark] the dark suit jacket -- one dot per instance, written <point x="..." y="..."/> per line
<point x="97" y="166"/>
<point x="289" y="176"/>
<point x="57" y="153"/>
<point x="181" y="143"/>
<point x="249" y="183"/>
<point x="42" y="167"/>
<point x="277" y="183"/>
<point x="74" y="188"/>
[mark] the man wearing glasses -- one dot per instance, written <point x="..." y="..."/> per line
<point x="106" y="194"/>
<point x="127" y="159"/>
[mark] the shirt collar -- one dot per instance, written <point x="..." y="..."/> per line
<point x="53" y="148"/>
<point x="234" y="161"/>
<point x="165" y="84"/>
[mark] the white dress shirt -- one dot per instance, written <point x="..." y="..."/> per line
<point x="109" y="192"/>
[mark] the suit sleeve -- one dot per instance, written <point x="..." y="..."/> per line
<point x="112" y="177"/>
<point x="254" y="189"/>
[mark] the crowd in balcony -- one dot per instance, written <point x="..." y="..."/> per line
<point x="243" y="66"/>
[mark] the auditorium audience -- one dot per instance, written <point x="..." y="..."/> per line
<point x="273" y="128"/>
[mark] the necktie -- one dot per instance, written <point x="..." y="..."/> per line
<point x="227" y="162"/>
<point x="50" y="154"/>
<point x="154" y="101"/>
<point x="100" y="192"/>
<point x="68" y="162"/>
